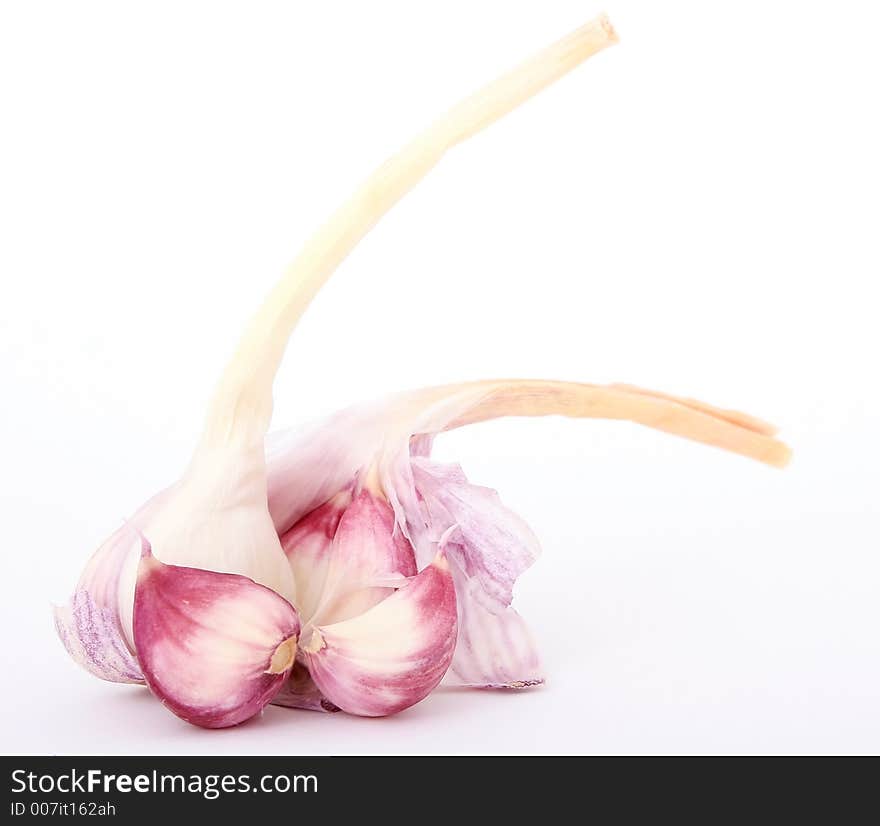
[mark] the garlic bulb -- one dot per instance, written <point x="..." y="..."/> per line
<point x="341" y="568"/>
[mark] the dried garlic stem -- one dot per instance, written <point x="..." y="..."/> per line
<point x="242" y="406"/>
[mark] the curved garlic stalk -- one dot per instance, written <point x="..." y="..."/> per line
<point x="215" y="518"/>
<point x="243" y="401"/>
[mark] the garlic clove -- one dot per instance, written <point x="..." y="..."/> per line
<point x="214" y="648"/>
<point x="307" y="546"/>
<point x="392" y="656"/>
<point x="346" y="557"/>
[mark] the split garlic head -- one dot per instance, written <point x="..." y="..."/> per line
<point x="340" y="567"/>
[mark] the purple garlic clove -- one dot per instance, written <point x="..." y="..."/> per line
<point x="393" y="655"/>
<point x="214" y="648"/>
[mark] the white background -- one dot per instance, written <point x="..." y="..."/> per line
<point x="695" y="210"/>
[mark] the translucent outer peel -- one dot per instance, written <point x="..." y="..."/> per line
<point x="92" y="623"/>
<point x="92" y="636"/>
<point x="488" y="547"/>
<point x="214" y="648"/>
<point x="495" y="647"/>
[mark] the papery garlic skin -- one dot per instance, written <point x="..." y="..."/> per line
<point x="488" y="547"/>
<point x="95" y="624"/>
<point x="214" y="648"/>
<point x="495" y="647"/>
<point x="93" y="638"/>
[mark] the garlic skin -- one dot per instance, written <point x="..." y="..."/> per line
<point x="92" y="637"/>
<point x="95" y="625"/>
<point x="214" y="648"/>
<point x="488" y="547"/>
